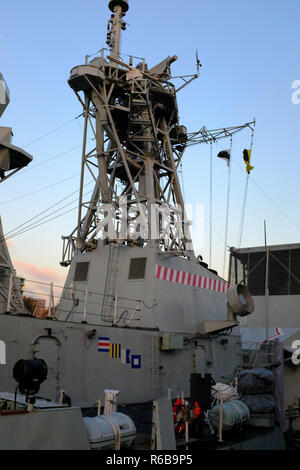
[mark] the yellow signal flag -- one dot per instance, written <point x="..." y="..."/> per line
<point x="115" y="350"/>
<point x="247" y="158"/>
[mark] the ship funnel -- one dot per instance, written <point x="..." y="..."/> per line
<point x="118" y="3"/>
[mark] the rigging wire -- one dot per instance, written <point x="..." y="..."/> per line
<point x="205" y="136"/>
<point x="193" y="138"/>
<point x="245" y="198"/>
<point x="275" y="204"/>
<point x="32" y="167"/>
<point x="50" y="159"/>
<point x="269" y="197"/>
<point x="206" y="219"/>
<point x="11" y="233"/>
<point x="39" y="190"/>
<point x="15" y="233"/>
<point x="201" y="136"/>
<point x="227" y="209"/>
<point x="243" y="212"/>
<point x="42" y="223"/>
<point x="52" y="131"/>
<point x="39" y="222"/>
<point x="210" y="206"/>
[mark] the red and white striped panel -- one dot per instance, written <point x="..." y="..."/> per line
<point x="191" y="280"/>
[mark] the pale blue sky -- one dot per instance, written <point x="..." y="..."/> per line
<point x="250" y="56"/>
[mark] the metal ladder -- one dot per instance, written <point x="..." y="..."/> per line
<point x="140" y="119"/>
<point x="108" y="305"/>
<point x="155" y="366"/>
<point x="16" y="303"/>
<point x="262" y="357"/>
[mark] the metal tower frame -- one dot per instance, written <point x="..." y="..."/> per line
<point x="131" y="115"/>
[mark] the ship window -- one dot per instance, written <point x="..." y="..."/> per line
<point x="137" y="269"/>
<point x="81" y="272"/>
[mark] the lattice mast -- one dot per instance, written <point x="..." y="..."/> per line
<point x="131" y="114"/>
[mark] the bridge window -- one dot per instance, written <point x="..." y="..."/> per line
<point x="137" y="269"/>
<point x="81" y="272"/>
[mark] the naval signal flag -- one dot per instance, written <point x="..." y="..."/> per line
<point x="136" y="361"/>
<point x="247" y="158"/>
<point x="103" y="344"/>
<point x="225" y="155"/>
<point x="125" y="356"/>
<point x="115" y="351"/>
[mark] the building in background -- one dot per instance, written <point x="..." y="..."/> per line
<point x="272" y="274"/>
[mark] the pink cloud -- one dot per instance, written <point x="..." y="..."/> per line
<point x="43" y="274"/>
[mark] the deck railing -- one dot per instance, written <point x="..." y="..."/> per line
<point x="73" y="304"/>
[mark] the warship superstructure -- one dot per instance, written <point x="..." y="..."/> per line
<point x="12" y="160"/>
<point x="139" y="312"/>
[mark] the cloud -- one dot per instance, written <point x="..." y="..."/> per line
<point x="37" y="273"/>
<point x="40" y="275"/>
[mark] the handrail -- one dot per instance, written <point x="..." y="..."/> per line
<point x="48" y="304"/>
